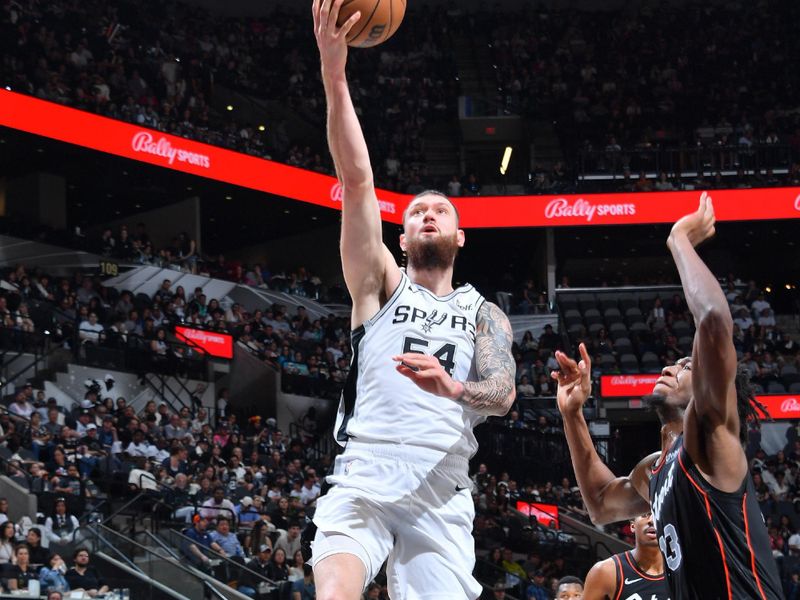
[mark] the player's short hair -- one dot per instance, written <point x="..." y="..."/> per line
<point x="569" y="580"/>
<point x="432" y="193"/>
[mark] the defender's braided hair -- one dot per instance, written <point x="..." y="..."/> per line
<point x="747" y="405"/>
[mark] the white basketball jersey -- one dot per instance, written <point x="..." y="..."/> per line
<point x="382" y="406"/>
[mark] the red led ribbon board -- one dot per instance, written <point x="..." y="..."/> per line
<point x="212" y="343"/>
<point x="137" y="143"/>
<point x="546" y="514"/>
<point x="782" y="407"/>
<point x="627" y="386"/>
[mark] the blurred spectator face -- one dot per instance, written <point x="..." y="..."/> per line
<point x="223" y="527"/>
<point x="219" y="495"/>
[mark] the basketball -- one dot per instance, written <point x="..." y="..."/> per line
<point x="379" y="20"/>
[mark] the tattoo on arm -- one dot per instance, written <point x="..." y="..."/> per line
<point x="493" y="393"/>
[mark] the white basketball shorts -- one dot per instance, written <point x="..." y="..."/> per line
<point x="409" y="505"/>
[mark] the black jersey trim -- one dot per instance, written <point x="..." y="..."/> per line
<point x="348" y="399"/>
<point x="620" y="576"/>
<point x="635" y="566"/>
<point x="462" y="290"/>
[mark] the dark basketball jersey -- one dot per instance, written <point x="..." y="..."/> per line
<point x="715" y="544"/>
<point x="635" y="584"/>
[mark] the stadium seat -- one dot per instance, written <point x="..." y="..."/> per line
<point x="572" y="317"/>
<point x="612" y="315"/>
<point x="628" y="301"/>
<point x="607" y="363"/>
<point x="681" y="328"/>
<point x="685" y="343"/>
<point x="794" y="388"/>
<point x="592" y="316"/>
<point x="594" y="328"/>
<point x="790" y="379"/>
<point x="587" y="301"/>
<point x="617" y="330"/>
<point x="634" y="315"/>
<point x="650" y="362"/>
<point x="629" y="363"/>
<point x="775" y="387"/>
<point x="623" y="345"/>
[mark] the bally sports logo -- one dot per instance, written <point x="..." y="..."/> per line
<point x="337" y="192"/>
<point x="790" y="405"/>
<point x="144" y="142"/>
<point x="560" y="208"/>
<point x="797" y="204"/>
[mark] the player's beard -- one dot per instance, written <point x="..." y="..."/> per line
<point x="433" y="253"/>
<point x="666" y="412"/>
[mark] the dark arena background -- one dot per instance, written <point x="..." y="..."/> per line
<point x="174" y="324"/>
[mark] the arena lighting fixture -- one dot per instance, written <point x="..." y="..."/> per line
<point x="506" y="160"/>
<point x="229" y="107"/>
<point x="768" y="289"/>
<point x="262" y="128"/>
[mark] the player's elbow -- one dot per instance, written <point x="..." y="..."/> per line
<point x="356" y="177"/>
<point x="508" y="396"/>
<point x="715" y="323"/>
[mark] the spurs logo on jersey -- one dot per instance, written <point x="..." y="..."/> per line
<point x="634" y="584"/>
<point x="380" y="405"/>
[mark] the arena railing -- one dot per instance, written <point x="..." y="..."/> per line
<point x="179" y="540"/>
<point x="160" y="566"/>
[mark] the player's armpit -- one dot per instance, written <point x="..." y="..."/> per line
<point x="494" y="392"/>
<point x="601" y="581"/>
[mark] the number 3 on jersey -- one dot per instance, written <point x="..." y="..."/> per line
<point x="446" y="354"/>
<point x="671" y="547"/>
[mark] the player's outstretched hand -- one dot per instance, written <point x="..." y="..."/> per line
<point x="574" y="381"/>
<point x="331" y="39"/>
<point x="427" y="372"/>
<point x="697" y="226"/>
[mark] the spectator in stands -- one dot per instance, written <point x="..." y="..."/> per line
<point x="7" y="533"/>
<point x="524" y="388"/>
<point x="261" y="564"/>
<point x="549" y="340"/>
<point x="22" y="572"/>
<point x="83" y="576"/>
<point x="21" y="407"/>
<point x="304" y="588"/>
<point x="289" y="541"/>
<point x="61" y="527"/>
<point x="218" y="506"/>
<point x="90" y="331"/>
<point x="278" y="570"/>
<point x="228" y="542"/>
<point x="39" y="556"/>
<point x="537" y="590"/>
<point x="198" y="540"/>
<point x="52" y="575"/>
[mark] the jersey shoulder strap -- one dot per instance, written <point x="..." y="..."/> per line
<point x="618" y="576"/>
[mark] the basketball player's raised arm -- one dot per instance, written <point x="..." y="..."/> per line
<point x="370" y="270"/>
<point x="608" y="498"/>
<point x="712" y="420"/>
<point x="494" y="392"/>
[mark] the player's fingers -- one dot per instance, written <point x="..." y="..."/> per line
<point x="315" y="13"/>
<point x="585" y="359"/>
<point x="324" y="14"/>
<point x="333" y="15"/>
<point x="345" y="29"/>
